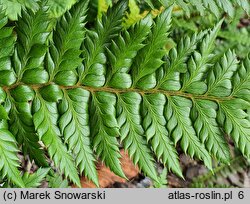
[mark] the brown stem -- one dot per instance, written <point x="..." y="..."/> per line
<point x="118" y="91"/>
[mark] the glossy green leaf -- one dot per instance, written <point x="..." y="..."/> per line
<point x="123" y="49"/>
<point x="8" y="158"/>
<point x="235" y="119"/>
<point x="32" y="31"/>
<point x="22" y="126"/>
<point x="3" y="113"/>
<point x="156" y="132"/>
<point x="34" y="180"/>
<point x="45" y="120"/>
<point x="132" y="133"/>
<point x="179" y="125"/>
<point x="76" y="89"/>
<point x="198" y="64"/>
<point x="96" y="42"/>
<point x="105" y="130"/>
<point x="219" y="79"/>
<point x="74" y="124"/>
<point x="204" y="116"/>
<point x="65" y="50"/>
<point x="149" y="59"/>
<point x="175" y="63"/>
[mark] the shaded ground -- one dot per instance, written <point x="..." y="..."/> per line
<point x="196" y="175"/>
<point x="237" y="175"/>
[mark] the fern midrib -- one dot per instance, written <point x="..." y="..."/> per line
<point x="118" y="91"/>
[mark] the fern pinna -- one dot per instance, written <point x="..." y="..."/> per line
<point x="72" y="94"/>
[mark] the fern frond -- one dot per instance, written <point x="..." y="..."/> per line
<point x="34" y="180"/>
<point x="169" y="74"/>
<point x="227" y="6"/>
<point x="21" y="123"/>
<point x="13" y="8"/>
<point x="232" y="113"/>
<point x="75" y="128"/>
<point x="219" y="79"/>
<point x="244" y="4"/>
<point x="241" y="81"/>
<point x="7" y="41"/>
<point x="216" y="7"/>
<point x="115" y="88"/>
<point x="105" y="130"/>
<point x="45" y="120"/>
<point x="8" y="158"/>
<point x="204" y="115"/>
<point x="95" y="43"/>
<point x="32" y="31"/>
<point x="122" y="51"/>
<point x="156" y="132"/>
<point x="177" y="113"/>
<point x="198" y="64"/>
<point x="31" y="4"/>
<point x="64" y="55"/>
<point x="233" y="116"/>
<point x="149" y="59"/>
<point x="132" y="132"/>
<point x="3" y="113"/>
